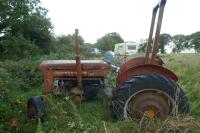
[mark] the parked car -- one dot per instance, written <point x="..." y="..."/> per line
<point x="95" y="51"/>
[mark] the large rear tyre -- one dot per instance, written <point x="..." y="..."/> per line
<point x="150" y="95"/>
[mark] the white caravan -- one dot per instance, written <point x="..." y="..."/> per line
<point x="126" y="48"/>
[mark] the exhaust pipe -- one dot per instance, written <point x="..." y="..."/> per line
<point x="78" y="59"/>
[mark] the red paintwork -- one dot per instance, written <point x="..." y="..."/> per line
<point x="13" y="123"/>
<point x="137" y="61"/>
<point x="67" y="68"/>
<point x="137" y="66"/>
<point x="93" y="68"/>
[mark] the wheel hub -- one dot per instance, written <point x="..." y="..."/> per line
<point x="149" y="104"/>
<point x="150" y="113"/>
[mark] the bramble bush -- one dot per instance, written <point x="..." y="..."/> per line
<point x="17" y="47"/>
<point x="26" y="72"/>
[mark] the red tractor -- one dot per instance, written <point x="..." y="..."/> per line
<point x="144" y="87"/>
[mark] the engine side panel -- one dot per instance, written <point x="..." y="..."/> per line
<point x="52" y="69"/>
<point x="49" y="75"/>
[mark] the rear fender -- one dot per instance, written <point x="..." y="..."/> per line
<point x="144" y="69"/>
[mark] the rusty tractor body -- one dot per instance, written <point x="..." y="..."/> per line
<point x="63" y="73"/>
<point x="144" y="88"/>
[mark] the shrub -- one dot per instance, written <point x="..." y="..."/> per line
<point x="17" y="47"/>
<point x="25" y="72"/>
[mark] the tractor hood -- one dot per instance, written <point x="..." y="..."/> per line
<point x="71" y="64"/>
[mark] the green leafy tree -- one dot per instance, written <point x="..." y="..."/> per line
<point x="70" y="39"/>
<point x="108" y="41"/>
<point x="65" y="39"/>
<point x="67" y="43"/>
<point x="164" y="40"/>
<point x="37" y="28"/>
<point x="27" y="18"/>
<point x="195" y="40"/>
<point x="64" y="46"/>
<point x="181" y="41"/>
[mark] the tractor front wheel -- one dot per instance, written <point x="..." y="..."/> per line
<point x="150" y="95"/>
<point x="36" y="108"/>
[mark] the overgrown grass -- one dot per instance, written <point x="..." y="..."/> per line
<point x="95" y="116"/>
<point x="187" y="68"/>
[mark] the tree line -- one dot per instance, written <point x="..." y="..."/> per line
<point x="26" y="31"/>
<point x="179" y="42"/>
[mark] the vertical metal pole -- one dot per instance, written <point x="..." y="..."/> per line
<point x="152" y="49"/>
<point x="158" y="28"/>
<point x="78" y="60"/>
<point x="149" y="44"/>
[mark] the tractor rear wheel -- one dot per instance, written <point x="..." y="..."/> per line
<point x="150" y="95"/>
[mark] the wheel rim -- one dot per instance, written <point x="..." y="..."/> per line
<point x="150" y="104"/>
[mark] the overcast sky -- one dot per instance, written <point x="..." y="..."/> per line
<point x="130" y="18"/>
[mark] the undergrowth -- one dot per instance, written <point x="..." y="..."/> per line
<point x="21" y="80"/>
